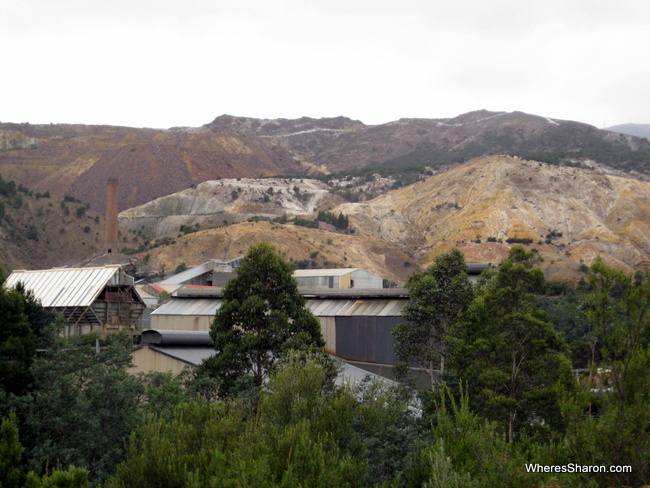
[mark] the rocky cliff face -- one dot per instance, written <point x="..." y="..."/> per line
<point x="569" y="215"/>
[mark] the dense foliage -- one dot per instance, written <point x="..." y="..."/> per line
<point x="438" y="296"/>
<point x="261" y="318"/>
<point x="505" y="402"/>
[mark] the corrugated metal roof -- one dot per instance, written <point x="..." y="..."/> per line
<point x="350" y="293"/>
<point x="189" y="306"/>
<point x="66" y="287"/>
<point x="186" y="275"/>
<point x="307" y="273"/>
<point x="320" y="307"/>
<point x="377" y="308"/>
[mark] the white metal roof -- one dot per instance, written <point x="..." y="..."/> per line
<point x="187" y="275"/>
<point x="360" y="307"/>
<point x="66" y="287"/>
<point x="189" y="306"/>
<point x="304" y="273"/>
<point x="200" y="269"/>
<point x="378" y="307"/>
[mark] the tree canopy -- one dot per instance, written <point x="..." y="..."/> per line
<point x="17" y="343"/>
<point x="507" y="353"/>
<point x="437" y="297"/>
<point x="262" y="317"/>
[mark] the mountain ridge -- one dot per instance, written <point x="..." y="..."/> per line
<point x="637" y="130"/>
<point x="365" y="172"/>
<point x="78" y="159"/>
<point x="484" y="206"/>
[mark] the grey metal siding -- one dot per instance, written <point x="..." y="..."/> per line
<point x="364" y="338"/>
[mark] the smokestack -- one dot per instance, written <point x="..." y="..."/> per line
<point x="112" y="243"/>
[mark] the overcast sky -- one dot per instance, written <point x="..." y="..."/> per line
<point x="164" y="63"/>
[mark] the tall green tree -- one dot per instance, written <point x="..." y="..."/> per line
<point x="600" y="305"/>
<point x="12" y="472"/>
<point x="437" y="297"/>
<point x="609" y="419"/>
<point x="508" y="354"/>
<point x="262" y="317"/>
<point x="83" y="406"/>
<point x="46" y="325"/>
<point x="11" y="451"/>
<point x="17" y="343"/>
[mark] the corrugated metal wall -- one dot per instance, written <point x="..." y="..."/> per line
<point x="366" y="338"/>
<point x="365" y="279"/>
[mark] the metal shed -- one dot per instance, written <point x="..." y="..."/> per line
<point x="356" y="324"/>
<point x="173" y="350"/>
<point x="190" y="314"/>
<point x="337" y="278"/>
<point x="360" y="328"/>
<point x="100" y="299"/>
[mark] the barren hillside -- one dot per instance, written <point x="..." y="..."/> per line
<point x="570" y="215"/>
<point x="78" y="160"/>
<point x="226" y="201"/>
<point x="325" y="248"/>
<point x="151" y="163"/>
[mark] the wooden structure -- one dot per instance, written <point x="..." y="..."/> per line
<point x="100" y="299"/>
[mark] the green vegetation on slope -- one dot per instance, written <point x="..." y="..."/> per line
<point x="506" y="399"/>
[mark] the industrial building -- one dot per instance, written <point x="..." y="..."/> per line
<point x="214" y="272"/>
<point x="356" y="324"/>
<point x="217" y="273"/>
<point x="191" y="308"/>
<point x="172" y="351"/>
<point x="338" y="278"/>
<point x="100" y="299"/>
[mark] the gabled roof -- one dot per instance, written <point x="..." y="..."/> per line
<point x="68" y="287"/>
<point x="187" y="275"/>
<point x="200" y="269"/>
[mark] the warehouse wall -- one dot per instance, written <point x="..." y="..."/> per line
<point x="366" y="338"/>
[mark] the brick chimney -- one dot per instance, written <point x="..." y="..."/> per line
<point x="111" y="244"/>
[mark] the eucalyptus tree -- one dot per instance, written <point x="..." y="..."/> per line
<point x="507" y="352"/>
<point x="437" y="297"/>
<point x="262" y="317"/>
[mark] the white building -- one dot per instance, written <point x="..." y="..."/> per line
<point x="337" y="278"/>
